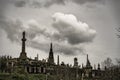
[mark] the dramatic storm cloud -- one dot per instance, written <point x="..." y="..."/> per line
<point x="85" y="1"/>
<point x="48" y="3"/>
<point x="67" y="33"/>
<point x="11" y="27"/>
<point x="72" y="30"/>
<point x="37" y="3"/>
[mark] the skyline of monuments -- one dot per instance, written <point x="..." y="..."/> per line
<point x="60" y="70"/>
<point x="49" y="67"/>
<point x="50" y="59"/>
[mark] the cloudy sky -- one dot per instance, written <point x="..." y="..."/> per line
<point x="75" y="27"/>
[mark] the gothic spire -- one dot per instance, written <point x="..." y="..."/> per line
<point x="51" y="50"/>
<point x="88" y="63"/>
<point x="51" y="57"/>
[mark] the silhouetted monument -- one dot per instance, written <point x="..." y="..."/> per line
<point x="23" y="54"/>
<point x="58" y="62"/>
<point x="88" y="64"/>
<point x="51" y="57"/>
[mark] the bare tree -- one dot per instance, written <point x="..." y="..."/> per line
<point x="107" y="63"/>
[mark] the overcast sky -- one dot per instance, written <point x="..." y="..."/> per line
<point x="75" y="27"/>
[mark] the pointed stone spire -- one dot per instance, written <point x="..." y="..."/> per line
<point x="23" y="54"/>
<point x="58" y="60"/>
<point x="51" y="47"/>
<point x="88" y="65"/>
<point x="51" y="57"/>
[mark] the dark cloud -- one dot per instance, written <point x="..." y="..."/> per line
<point x="3" y="4"/>
<point x="48" y="3"/>
<point x="85" y="1"/>
<point x="21" y="3"/>
<point x="37" y="3"/>
<point x="58" y="48"/>
<point x="51" y="2"/>
<point x="40" y="46"/>
<point x="12" y="28"/>
<point x="69" y="49"/>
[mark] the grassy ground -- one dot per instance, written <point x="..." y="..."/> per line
<point x="17" y="76"/>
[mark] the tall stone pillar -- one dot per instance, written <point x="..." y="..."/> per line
<point x="23" y="54"/>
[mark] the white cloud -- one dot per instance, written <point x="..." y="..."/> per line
<point x="72" y="30"/>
